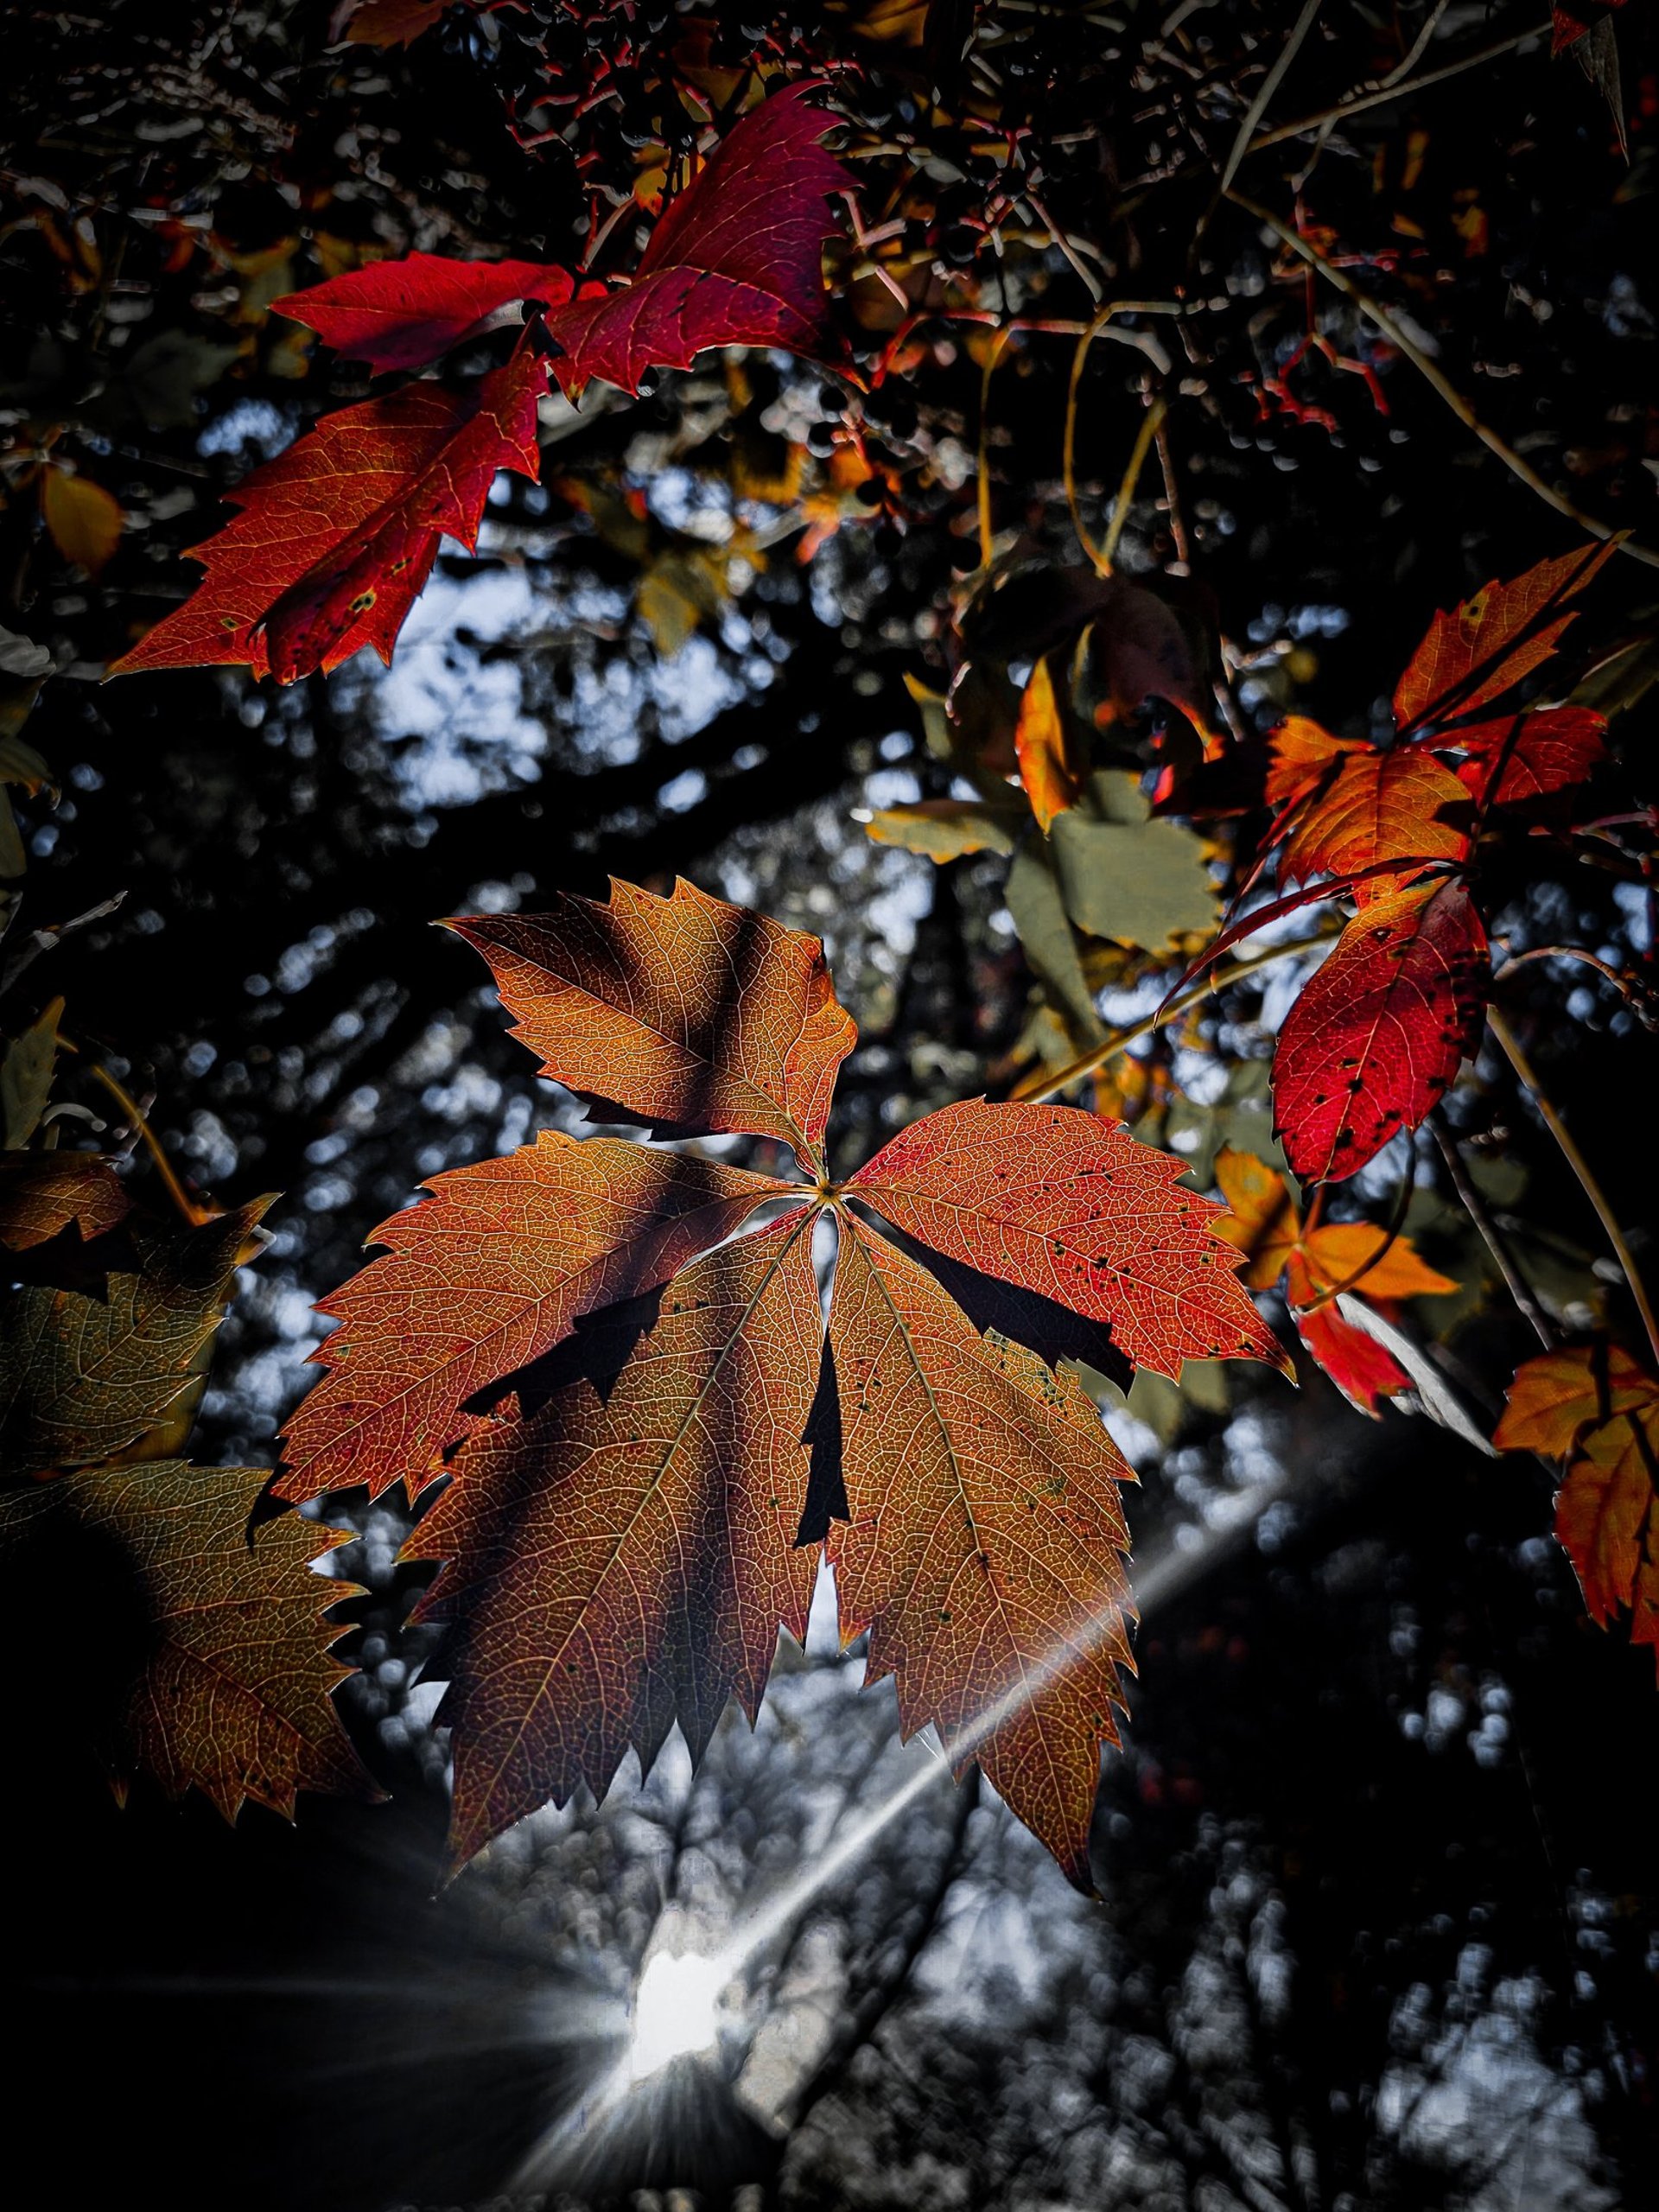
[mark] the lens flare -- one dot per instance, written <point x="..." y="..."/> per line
<point x="676" y="2011"/>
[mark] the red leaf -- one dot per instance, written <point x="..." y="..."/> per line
<point x="982" y="1546"/>
<point x="492" y="1271"/>
<point x="339" y="534"/>
<point x="1474" y="654"/>
<point x="623" y="1558"/>
<point x="1370" y="807"/>
<point x="735" y="260"/>
<point x="1072" y="1206"/>
<point x="1376" y="1034"/>
<point x="1553" y="751"/>
<point x="697" y="1015"/>
<point x="402" y="315"/>
<point x="1362" y="1370"/>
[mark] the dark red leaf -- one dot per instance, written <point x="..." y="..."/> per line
<point x="402" y="315"/>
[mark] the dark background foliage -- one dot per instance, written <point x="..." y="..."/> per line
<point x="1378" y="1886"/>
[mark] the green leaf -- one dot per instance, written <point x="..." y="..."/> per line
<point x="1038" y="911"/>
<point x="942" y="828"/>
<point x="26" y="1077"/>
<point x="1125" y="877"/>
<point x="86" y="1377"/>
<point x="226" y="1682"/>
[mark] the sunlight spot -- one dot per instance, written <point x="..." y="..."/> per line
<point x="676" y="2011"/>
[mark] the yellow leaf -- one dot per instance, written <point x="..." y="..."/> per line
<point x="84" y="521"/>
<point x="1039" y="744"/>
<point x="1262" y="1218"/>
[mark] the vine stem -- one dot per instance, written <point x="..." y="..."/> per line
<point x="194" y="1215"/>
<point x="1475" y="1206"/>
<point x="1510" y="1046"/>
<point x="1076" y="1070"/>
<point x="1432" y="374"/>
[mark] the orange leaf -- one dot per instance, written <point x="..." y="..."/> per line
<point x="499" y="1264"/>
<point x="982" y="1542"/>
<point x="1304" y="755"/>
<point x="1377" y="1033"/>
<point x="694" y="1014"/>
<point x="1073" y="1208"/>
<point x="1375" y="806"/>
<point x="1476" y="652"/>
<point x="43" y="1193"/>
<point x="1593" y="1406"/>
<point x="1544" y="753"/>
<point x="1262" y="1218"/>
<point x="84" y="521"/>
<point x="1336" y="1252"/>
<point x="339" y="534"/>
<point x="1040" y="745"/>
<point x="622" y="1559"/>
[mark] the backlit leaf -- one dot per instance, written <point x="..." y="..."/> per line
<point x="1072" y="1206"/>
<point x="84" y="1376"/>
<point x="735" y="260"/>
<point x="1377" y="1035"/>
<point x="338" y="535"/>
<point x="1125" y="877"/>
<point x="402" y="315"/>
<point x="483" y="1277"/>
<point x="43" y="1193"/>
<point x="85" y="520"/>
<point x="1477" y="651"/>
<point x="232" y="1694"/>
<point x="623" y="1560"/>
<point x="696" y="1016"/>
<point x="1372" y="806"/>
<point x="1542" y="753"/>
<point x="1050" y="776"/>
<point x="984" y="1541"/>
<point x="943" y="829"/>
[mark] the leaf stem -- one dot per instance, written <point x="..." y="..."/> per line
<point x="1510" y="1046"/>
<point x="1137" y="462"/>
<point x="194" y="1214"/>
<point x="1098" y="1057"/>
<point x="1476" y="1207"/>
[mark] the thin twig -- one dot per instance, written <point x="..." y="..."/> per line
<point x="1098" y="1056"/>
<point x="1510" y="1046"/>
<point x="1379" y="99"/>
<point x="1448" y="392"/>
<point x="1476" y="1207"/>
<point x="1137" y="462"/>
<point x="1269" y="87"/>
<point x="985" y="485"/>
<point x="195" y="1216"/>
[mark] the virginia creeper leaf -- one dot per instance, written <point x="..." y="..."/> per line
<point x="1069" y="1205"/>
<point x="1551" y="750"/>
<point x="1125" y="877"/>
<point x="1595" y="1407"/>
<point x="622" y="1561"/>
<point x="231" y="1697"/>
<point x="735" y="260"/>
<point x="402" y="315"/>
<point x="1369" y="806"/>
<point x="982" y="1549"/>
<point x="483" y="1277"/>
<point x="83" y="1377"/>
<point x="43" y="1193"/>
<point x="1050" y="776"/>
<point x="1377" y="1033"/>
<point x="696" y="1016"/>
<point x="943" y="829"/>
<point x="1477" y="651"/>
<point x="338" y="535"/>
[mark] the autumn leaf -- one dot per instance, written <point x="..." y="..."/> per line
<point x="1483" y="647"/>
<point x="405" y="314"/>
<point x="693" y="1015"/>
<point x="86" y="1376"/>
<point x="485" y="1276"/>
<point x="1375" y="1037"/>
<point x="983" y="1547"/>
<point x="43" y="1193"/>
<point x="1051" y="778"/>
<point x="639" y="1511"/>
<point x="622" y="1559"/>
<point x="1073" y="1207"/>
<point x="1363" y="807"/>
<point x="735" y="260"/>
<point x="231" y="1694"/>
<point x="84" y="521"/>
<point x="1352" y="1257"/>
<point x="386" y="22"/>
<point x="1534" y="756"/>
<point x="942" y="828"/>
<point x="339" y="534"/>
<point x="1595" y="1408"/>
